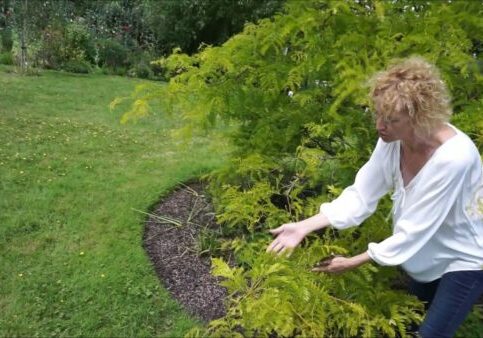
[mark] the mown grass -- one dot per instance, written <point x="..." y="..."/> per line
<point x="70" y="241"/>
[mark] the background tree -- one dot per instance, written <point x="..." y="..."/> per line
<point x="189" y="23"/>
<point x="28" y="19"/>
<point x="121" y="36"/>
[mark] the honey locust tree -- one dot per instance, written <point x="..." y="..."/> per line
<point x="290" y="93"/>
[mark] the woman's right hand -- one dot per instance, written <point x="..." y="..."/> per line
<point x="288" y="236"/>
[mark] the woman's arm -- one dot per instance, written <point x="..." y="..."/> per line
<point x="354" y="205"/>
<point x="291" y="234"/>
<point x="358" y="201"/>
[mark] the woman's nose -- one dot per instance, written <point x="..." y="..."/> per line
<point x="380" y="125"/>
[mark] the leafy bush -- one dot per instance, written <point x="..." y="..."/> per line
<point x="65" y="47"/>
<point x="51" y="53"/>
<point x="6" y="58"/>
<point x="120" y="71"/>
<point x="33" y="50"/>
<point x="77" y="66"/>
<point x="141" y="64"/>
<point x="472" y="324"/>
<point x="282" y="296"/>
<point x="141" y="70"/>
<point x="78" y="44"/>
<point x="158" y="71"/>
<point x="112" y="54"/>
<point x="6" y="37"/>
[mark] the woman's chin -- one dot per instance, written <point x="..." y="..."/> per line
<point x="386" y="138"/>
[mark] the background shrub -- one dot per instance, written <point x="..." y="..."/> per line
<point x="112" y="54"/>
<point x="6" y="37"/>
<point x="33" y="58"/>
<point x="78" y="44"/>
<point x="77" y="66"/>
<point x="6" y="58"/>
<point x="140" y="62"/>
<point x="141" y="70"/>
<point x="69" y="47"/>
<point x="51" y="52"/>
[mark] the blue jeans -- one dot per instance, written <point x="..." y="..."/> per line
<point x="448" y="301"/>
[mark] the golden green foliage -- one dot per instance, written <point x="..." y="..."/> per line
<point x="292" y="94"/>
<point x="279" y="295"/>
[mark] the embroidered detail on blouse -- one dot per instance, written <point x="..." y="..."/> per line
<point x="475" y="205"/>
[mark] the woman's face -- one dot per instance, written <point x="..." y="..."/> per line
<point x="393" y="128"/>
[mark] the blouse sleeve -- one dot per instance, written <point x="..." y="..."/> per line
<point x="359" y="201"/>
<point x="438" y="189"/>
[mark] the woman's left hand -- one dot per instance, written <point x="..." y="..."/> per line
<point x="339" y="264"/>
<point x="336" y="264"/>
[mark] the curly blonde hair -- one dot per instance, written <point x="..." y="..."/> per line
<point x="413" y="87"/>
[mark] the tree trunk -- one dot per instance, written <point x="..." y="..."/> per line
<point x="23" y="42"/>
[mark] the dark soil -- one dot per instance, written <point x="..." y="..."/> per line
<point x="176" y="254"/>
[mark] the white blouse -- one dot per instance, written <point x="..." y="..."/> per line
<point x="437" y="217"/>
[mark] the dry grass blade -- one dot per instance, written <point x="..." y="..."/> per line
<point x="194" y="212"/>
<point x="162" y="219"/>
<point x="188" y="188"/>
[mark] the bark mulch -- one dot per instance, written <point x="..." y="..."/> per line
<point x="175" y="254"/>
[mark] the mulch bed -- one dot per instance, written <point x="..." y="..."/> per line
<point x="174" y="254"/>
<point x="176" y="259"/>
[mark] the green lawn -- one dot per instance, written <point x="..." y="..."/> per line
<point x="70" y="243"/>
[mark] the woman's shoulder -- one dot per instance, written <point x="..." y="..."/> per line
<point x="386" y="155"/>
<point x="457" y="150"/>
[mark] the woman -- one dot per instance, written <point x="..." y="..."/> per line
<point x="435" y="173"/>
